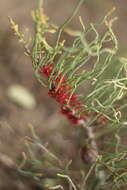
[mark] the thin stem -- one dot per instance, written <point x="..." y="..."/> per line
<point x="87" y="176"/>
<point x="69" y="179"/>
<point x="94" y="157"/>
<point x="72" y="15"/>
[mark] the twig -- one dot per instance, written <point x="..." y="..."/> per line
<point x="57" y="187"/>
<point x="47" y="151"/>
<point x="69" y="179"/>
<point x="74" y="12"/>
<point x="94" y="156"/>
<point x="87" y="176"/>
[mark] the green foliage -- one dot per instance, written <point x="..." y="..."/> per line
<point x="85" y="61"/>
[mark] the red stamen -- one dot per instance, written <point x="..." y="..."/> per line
<point x="52" y="93"/>
<point x="62" y="99"/>
<point x="74" y="98"/>
<point x="46" y="70"/>
<point x="60" y="79"/>
<point x="66" y="111"/>
<point x="75" y="120"/>
<point x="103" y="120"/>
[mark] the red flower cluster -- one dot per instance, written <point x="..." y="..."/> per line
<point x="62" y="92"/>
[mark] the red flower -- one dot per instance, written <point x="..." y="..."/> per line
<point x="75" y="120"/>
<point x="61" y="79"/>
<point x="71" y="117"/>
<point x="75" y="104"/>
<point x="79" y="107"/>
<point x="86" y="115"/>
<point x="46" y="70"/>
<point x="62" y="90"/>
<point x="66" y="111"/>
<point x="62" y="99"/>
<point x="103" y="120"/>
<point x="52" y="93"/>
<point x="74" y="98"/>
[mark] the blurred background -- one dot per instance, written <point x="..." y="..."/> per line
<point x="16" y="69"/>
